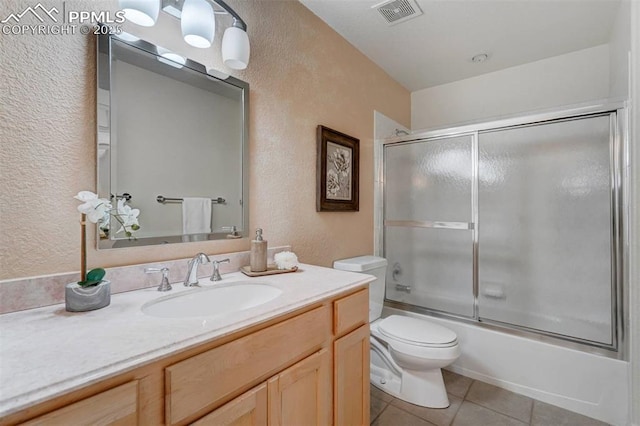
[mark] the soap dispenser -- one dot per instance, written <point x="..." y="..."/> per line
<point x="258" y="256"/>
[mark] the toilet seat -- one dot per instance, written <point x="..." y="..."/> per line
<point x="401" y="337"/>
<point x="417" y="332"/>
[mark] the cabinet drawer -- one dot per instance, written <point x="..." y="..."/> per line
<point x="350" y="312"/>
<point x="117" y="406"/>
<point x="196" y="385"/>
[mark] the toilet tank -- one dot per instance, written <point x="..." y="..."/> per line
<point x="372" y="265"/>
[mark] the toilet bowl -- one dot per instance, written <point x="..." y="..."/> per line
<point x="407" y="353"/>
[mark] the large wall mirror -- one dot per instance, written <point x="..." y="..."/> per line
<point x="168" y="131"/>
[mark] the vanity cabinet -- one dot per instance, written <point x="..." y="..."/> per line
<point x="351" y="360"/>
<point x="307" y="367"/>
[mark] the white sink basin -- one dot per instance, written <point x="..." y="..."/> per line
<point x="213" y="301"/>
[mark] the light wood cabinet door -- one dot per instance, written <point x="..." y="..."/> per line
<point x="351" y="378"/>
<point x="249" y="409"/>
<point x="117" y="406"/>
<point x="350" y="312"/>
<point x="301" y="395"/>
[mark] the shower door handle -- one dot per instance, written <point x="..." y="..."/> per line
<point x="430" y="224"/>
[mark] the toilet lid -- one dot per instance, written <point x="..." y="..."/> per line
<point x="416" y="331"/>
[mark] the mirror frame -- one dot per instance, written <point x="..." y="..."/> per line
<point x="103" y="174"/>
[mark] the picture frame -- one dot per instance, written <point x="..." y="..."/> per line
<point x="337" y="172"/>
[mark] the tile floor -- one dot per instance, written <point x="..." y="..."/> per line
<point x="473" y="403"/>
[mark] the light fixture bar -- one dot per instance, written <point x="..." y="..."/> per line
<point x="237" y="20"/>
<point x="171" y="6"/>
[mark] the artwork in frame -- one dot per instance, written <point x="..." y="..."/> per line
<point x="337" y="174"/>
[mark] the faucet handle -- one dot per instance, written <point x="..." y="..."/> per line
<point x="164" y="285"/>
<point x="233" y="229"/>
<point x="215" y="276"/>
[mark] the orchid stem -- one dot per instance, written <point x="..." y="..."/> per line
<point x="83" y="247"/>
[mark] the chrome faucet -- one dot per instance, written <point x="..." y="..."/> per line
<point x="192" y="270"/>
<point x="215" y="276"/>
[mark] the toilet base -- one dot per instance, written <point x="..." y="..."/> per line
<point x="424" y="388"/>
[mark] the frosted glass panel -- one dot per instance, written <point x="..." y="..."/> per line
<point x="429" y="180"/>
<point x="545" y="228"/>
<point x="436" y="264"/>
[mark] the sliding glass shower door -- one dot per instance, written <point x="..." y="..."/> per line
<point x="517" y="226"/>
<point x="545" y="228"/>
<point x="428" y="224"/>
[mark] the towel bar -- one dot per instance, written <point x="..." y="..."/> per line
<point x="162" y="199"/>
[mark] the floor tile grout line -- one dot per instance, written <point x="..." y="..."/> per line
<point x="401" y="409"/>
<point x="497" y="412"/>
<point x="420" y="417"/>
<point x="464" y="398"/>
<point x="533" y="405"/>
<point x="386" y="404"/>
<point x="533" y="400"/>
<point x="453" y="419"/>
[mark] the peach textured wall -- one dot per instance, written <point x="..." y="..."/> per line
<point x="301" y="74"/>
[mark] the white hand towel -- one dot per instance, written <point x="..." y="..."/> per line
<point x="196" y="215"/>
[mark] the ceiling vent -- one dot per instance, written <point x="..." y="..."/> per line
<point x="397" y="11"/>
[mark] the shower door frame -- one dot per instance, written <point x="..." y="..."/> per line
<point x="619" y="163"/>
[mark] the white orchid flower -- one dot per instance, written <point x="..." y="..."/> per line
<point x="95" y="208"/>
<point x="85" y="196"/>
<point x="128" y="216"/>
<point x="100" y="210"/>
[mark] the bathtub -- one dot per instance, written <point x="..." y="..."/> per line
<point x="593" y="385"/>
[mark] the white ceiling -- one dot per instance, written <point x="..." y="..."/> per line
<point x="437" y="47"/>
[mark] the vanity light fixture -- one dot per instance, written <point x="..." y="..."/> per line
<point x="235" y="48"/>
<point x="198" y="25"/>
<point x="141" y="12"/>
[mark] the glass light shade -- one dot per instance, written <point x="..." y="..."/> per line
<point x="141" y="12"/>
<point x="198" y="23"/>
<point x="170" y="58"/>
<point x="235" y="48"/>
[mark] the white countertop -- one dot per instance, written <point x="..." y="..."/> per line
<point x="47" y="352"/>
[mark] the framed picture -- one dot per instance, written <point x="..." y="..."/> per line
<point x="337" y="174"/>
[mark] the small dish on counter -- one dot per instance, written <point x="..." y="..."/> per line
<point x="271" y="270"/>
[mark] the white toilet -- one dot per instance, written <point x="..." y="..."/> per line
<point x="407" y="353"/>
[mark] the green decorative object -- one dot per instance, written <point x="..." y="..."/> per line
<point x="94" y="277"/>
